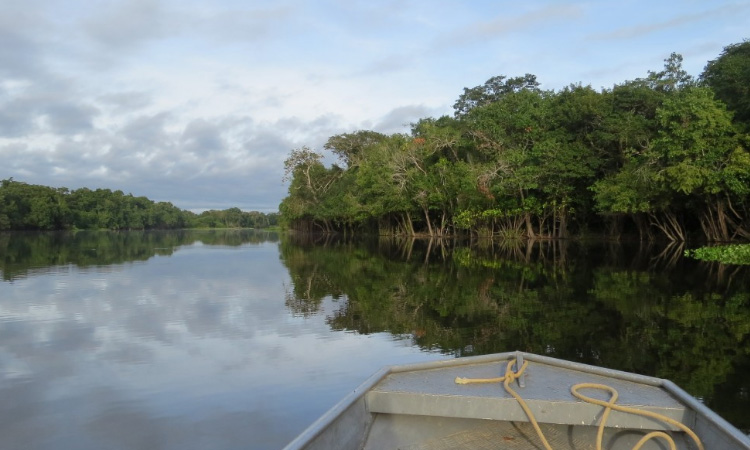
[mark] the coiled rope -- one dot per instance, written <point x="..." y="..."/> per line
<point x="510" y="376"/>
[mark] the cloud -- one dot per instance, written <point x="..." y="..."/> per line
<point x="16" y="118"/>
<point x="125" y="102"/>
<point x="146" y="130"/>
<point x="66" y="117"/>
<point x="162" y="98"/>
<point x="239" y="25"/>
<point x="127" y="23"/>
<point x="389" y="63"/>
<point x="508" y="23"/>
<point x="399" y="119"/>
<point x="207" y="163"/>
<point x="202" y="137"/>
<point x="642" y="30"/>
<point x="131" y="24"/>
<point x="23" y="43"/>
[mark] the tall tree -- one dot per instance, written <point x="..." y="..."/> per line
<point x="309" y="180"/>
<point x="507" y="132"/>
<point x="672" y="77"/>
<point x="729" y="77"/>
<point x="352" y="148"/>
<point x="493" y="90"/>
<point x="699" y="154"/>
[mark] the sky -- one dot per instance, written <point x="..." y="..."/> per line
<point x="198" y="103"/>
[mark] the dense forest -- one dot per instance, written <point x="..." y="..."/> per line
<point x="34" y="207"/>
<point x="665" y="156"/>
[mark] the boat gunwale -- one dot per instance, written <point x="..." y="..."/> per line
<point x="329" y="417"/>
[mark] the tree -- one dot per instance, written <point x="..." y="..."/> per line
<point x="699" y="155"/>
<point x="633" y="192"/>
<point x="729" y="77"/>
<point x="309" y="182"/>
<point x="493" y="90"/>
<point x="383" y="185"/>
<point x="352" y="148"/>
<point x="627" y="185"/>
<point x="672" y="78"/>
<point x="508" y="133"/>
<point x="657" y="152"/>
<point x="32" y="207"/>
<point x="572" y="153"/>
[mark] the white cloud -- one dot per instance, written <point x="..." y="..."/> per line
<point x="124" y="24"/>
<point x="199" y="103"/>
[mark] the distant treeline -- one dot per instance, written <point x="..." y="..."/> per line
<point x="665" y="156"/>
<point x="34" y="207"/>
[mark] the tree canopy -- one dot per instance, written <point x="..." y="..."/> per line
<point x="34" y="207"/>
<point x="729" y="77"/>
<point x="663" y="156"/>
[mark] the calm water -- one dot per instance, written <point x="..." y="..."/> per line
<point x="238" y="339"/>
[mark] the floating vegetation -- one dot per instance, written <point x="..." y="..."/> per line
<point x="726" y="254"/>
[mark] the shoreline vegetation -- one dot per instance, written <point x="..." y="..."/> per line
<point x="663" y="157"/>
<point x="29" y="207"/>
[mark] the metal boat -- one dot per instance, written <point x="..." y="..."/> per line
<point x="517" y="400"/>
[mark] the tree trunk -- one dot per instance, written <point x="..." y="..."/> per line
<point x="669" y="224"/>
<point x="410" y="224"/>
<point x="427" y="219"/>
<point x="562" y="231"/>
<point x="529" y="227"/>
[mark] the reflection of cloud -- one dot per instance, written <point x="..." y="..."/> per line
<point x="192" y="350"/>
<point x="129" y="426"/>
<point x="72" y="336"/>
<point x="22" y="423"/>
<point x="128" y="353"/>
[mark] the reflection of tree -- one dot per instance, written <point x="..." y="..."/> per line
<point x="690" y="337"/>
<point x="732" y="396"/>
<point x="581" y="302"/>
<point x="22" y="252"/>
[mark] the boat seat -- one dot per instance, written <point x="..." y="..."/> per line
<point x="546" y="391"/>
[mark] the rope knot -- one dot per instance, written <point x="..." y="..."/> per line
<point x="509" y="376"/>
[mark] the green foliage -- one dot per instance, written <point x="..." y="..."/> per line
<point x="352" y="148"/>
<point x="729" y="77"/>
<point x="725" y="254"/>
<point x="695" y="141"/>
<point x="32" y="207"/>
<point x="658" y="155"/>
<point x="631" y="190"/>
<point x="234" y="218"/>
<point x="493" y="90"/>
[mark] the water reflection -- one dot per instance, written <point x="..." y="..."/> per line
<point x="237" y="339"/>
<point x="636" y="308"/>
<point x="22" y="253"/>
<point x="186" y="348"/>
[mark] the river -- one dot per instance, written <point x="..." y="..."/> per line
<point x="236" y="339"/>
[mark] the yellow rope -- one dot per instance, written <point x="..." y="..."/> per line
<point x="506" y="379"/>
<point x="508" y="373"/>
<point x="655" y="434"/>
<point x="610" y="405"/>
